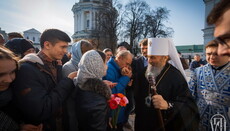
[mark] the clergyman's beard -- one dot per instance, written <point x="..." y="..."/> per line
<point x="153" y="70"/>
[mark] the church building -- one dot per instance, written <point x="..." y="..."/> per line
<point x="85" y="21"/>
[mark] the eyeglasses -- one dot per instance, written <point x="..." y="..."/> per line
<point x="223" y="40"/>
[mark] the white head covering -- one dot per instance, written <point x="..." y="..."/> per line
<point x="91" y="65"/>
<point x="164" y="47"/>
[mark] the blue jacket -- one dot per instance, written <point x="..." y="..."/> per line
<point x="114" y="75"/>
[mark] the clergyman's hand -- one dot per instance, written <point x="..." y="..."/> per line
<point x="159" y="102"/>
<point x="29" y="127"/>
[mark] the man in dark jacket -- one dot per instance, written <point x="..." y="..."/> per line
<point x="141" y="61"/>
<point x="197" y="62"/>
<point x="39" y="90"/>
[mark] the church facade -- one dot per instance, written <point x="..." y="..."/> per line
<point x="85" y="21"/>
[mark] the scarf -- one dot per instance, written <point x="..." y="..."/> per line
<point x="91" y="66"/>
<point x="76" y="53"/>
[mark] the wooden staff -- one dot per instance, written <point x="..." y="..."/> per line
<point x="152" y="84"/>
<point x="158" y="111"/>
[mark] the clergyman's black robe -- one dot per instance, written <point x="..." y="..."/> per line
<point x="174" y="89"/>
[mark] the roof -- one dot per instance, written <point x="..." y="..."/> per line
<point x="190" y="48"/>
<point x="32" y="31"/>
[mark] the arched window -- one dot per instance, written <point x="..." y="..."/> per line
<point x="87" y="20"/>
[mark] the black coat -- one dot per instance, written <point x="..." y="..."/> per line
<point x="38" y="97"/>
<point x="92" y="109"/>
<point x="173" y="88"/>
<point x="138" y="68"/>
<point x="6" y="121"/>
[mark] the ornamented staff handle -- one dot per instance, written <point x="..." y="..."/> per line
<point x="152" y="84"/>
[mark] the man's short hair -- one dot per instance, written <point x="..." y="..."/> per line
<point x="218" y="11"/>
<point x="144" y="42"/>
<point x="125" y="44"/>
<point x="53" y="36"/>
<point x="123" y="54"/>
<point x="211" y="43"/>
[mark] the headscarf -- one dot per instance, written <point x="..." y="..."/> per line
<point x="165" y="47"/>
<point x="91" y="66"/>
<point x="76" y="53"/>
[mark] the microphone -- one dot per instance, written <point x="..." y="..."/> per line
<point x="151" y="79"/>
<point x="152" y="83"/>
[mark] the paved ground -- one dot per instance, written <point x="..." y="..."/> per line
<point x="131" y="121"/>
<point x="131" y="117"/>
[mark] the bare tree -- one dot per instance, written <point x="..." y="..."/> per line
<point x="134" y="15"/>
<point x="108" y="21"/>
<point x="154" y="23"/>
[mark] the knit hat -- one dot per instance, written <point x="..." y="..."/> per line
<point x="19" y="45"/>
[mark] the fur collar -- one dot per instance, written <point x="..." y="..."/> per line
<point x="31" y="58"/>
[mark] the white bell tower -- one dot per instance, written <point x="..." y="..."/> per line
<point x="85" y="13"/>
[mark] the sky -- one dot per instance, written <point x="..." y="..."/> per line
<point x="186" y="17"/>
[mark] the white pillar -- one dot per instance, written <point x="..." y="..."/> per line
<point x="95" y="22"/>
<point x="78" y="22"/>
<point x="75" y="22"/>
<point x="82" y="20"/>
<point x="90" y="19"/>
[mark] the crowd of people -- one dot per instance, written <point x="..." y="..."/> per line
<point x="40" y="91"/>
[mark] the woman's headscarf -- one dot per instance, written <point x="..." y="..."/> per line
<point x="91" y="66"/>
<point x="76" y="53"/>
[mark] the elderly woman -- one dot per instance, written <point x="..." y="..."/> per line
<point x="91" y="93"/>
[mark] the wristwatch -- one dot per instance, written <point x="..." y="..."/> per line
<point x="170" y="105"/>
